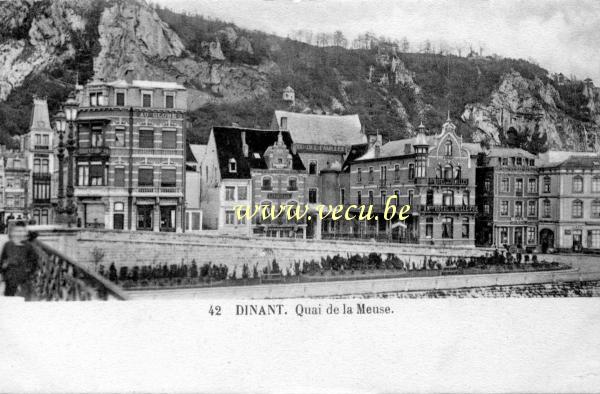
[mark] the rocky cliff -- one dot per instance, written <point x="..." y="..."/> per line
<point x="236" y="75"/>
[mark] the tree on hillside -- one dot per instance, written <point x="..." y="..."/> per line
<point x="339" y="39"/>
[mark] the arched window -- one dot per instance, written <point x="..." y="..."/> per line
<point x="312" y="168"/>
<point x="577" y="209"/>
<point x="596" y="184"/>
<point x="466" y="197"/>
<point x="458" y="172"/>
<point x="438" y="172"/>
<point x="448" y="148"/>
<point x="596" y="209"/>
<point x="577" y="184"/>
<point x="448" y="171"/>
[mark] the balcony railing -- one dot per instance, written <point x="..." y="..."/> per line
<point x="41" y="147"/>
<point x="158" y="190"/>
<point x="61" y="278"/>
<point x="447" y="208"/>
<point x="447" y="182"/>
<point x="94" y="150"/>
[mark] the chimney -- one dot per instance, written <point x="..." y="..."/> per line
<point x="244" y="144"/>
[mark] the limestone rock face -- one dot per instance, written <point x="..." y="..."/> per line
<point x="528" y="107"/>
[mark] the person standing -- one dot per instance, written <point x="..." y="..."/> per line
<point x="19" y="262"/>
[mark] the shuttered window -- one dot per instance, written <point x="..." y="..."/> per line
<point x="120" y="177"/>
<point x="94" y="215"/>
<point x="169" y="139"/>
<point x="146" y="177"/>
<point x="96" y="175"/>
<point x="168" y="177"/>
<point x="146" y="138"/>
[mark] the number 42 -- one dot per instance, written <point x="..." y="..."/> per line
<point x="215" y="310"/>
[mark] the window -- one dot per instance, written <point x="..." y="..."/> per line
<point x="284" y="123"/>
<point x="312" y="196"/>
<point x="411" y="171"/>
<point x="577" y="184"/>
<point x="397" y="194"/>
<point x="96" y="137"/>
<point x="371" y="175"/>
<point x="531" y="207"/>
<point x="577" y="209"/>
<point x="232" y="165"/>
<point x="383" y="175"/>
<point x="96" y="174"/>
<point x="448" y="172"/>
<point x="38" y="141"/>
<point x="596" y="184"/>
<point x="429" y="228"/>
<point x="146" y="177"/>
<point x="411" y="197"/>
<point x="466" y="198"/>
<point x="504" y="185"/>
<point x="229" y="193"/>
<point x="546" y="184"/>
<point x="447" y="227"/>
<point x="519" y="161"/>
<point x="458" y="172"/>
<point x="147" y="139"/>
<point x="530" y="235"/>
<point x="96" y="99"/>
<point x="342" y="196"/>
<point x="119" y="207"/>
<point x="547" y="208"/>
<point x="397" y="172"/>
<point x="359" y="175"/>
<point x="229" y="217"/>
<point x="242" y="192"/>
<point x="146" y="99"/>
<point x="519" y="186"/>
<point x="36" y="166"/>
<point x="429" y="199"/>
<point x="169" y="139"/>
<point x="421" y="167"/>
<point x="169" y="100"/>
<point x="448" y="148"/>
<point x="383" y="197"/>
<point x="486" y="209"/>
<point x="312" y="168"/>
<point x="505" y="161"/>
<point x="504" y="208"/>
<point x="503" y="235"/>
<point x="594" y="239"/>
<point x="448" y="198"/>
<point x="370" y="197"/>
<point x="266" y="183"/>
<point x="519" y="209"/>
<point x="531" y="185"/>
<point x="596" y="209"/>
<point x="487" y="185"/>
<point x="465" y="227"/>
<point x="120" y="99"/>
<point x="83" y="171"/>
<point x="168" y="177"/>
<point x="120" y="137"/>
<point x="119" y="177"/>
<point x="359" y="198"/>
<point x="292" y="184"/>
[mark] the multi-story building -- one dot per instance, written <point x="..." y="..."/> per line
<point x="251" y="167"/>
<point x="434" y="174"/>
<point x="569" y="204"/>
<point x="38" y="148"/>
<point x="507" y="198"/>
<point x="130" y="160"/>
<point x="193" y="186"/>
<point x="16" y="185"/>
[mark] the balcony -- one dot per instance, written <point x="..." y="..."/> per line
<point x="158" y="191"/>
<point x="41" y="147"/>
<point x="447" y="182"/>
<point x="447" y="208"/>
<point x="42" y="176"/>
<point x="94" y="151"/>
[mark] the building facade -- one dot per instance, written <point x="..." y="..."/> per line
<point x="16" y="177"/>
<point x="569" y="204"/>
<point x="130" y="159"/>
<point x="38" y="149"/>
<point x="434" y="174"/>
<point x="507" y="198"/>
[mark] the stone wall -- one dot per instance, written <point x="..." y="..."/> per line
<point x="138" y="248"/>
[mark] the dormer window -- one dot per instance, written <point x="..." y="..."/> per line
<point x="232" y="165"/>
<point x="146" y="98"/>
<point x="284" y="123"/>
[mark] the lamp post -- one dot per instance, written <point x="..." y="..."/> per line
<point x="70" y="109"/>
<point x="60" y="125"/>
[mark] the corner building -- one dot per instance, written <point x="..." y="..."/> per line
<point x="130" y="160"/>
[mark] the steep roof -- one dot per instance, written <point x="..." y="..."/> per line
<point x="580" y="162"/>
<point x="40" y="119"/>
<point x="228" y="141"/>
<point x="510" y="152"/>
<point x="335" y="130"/>
<point x="356" y="151"/>
<point x="554" y="156"/>
<point x="196" y="153"/>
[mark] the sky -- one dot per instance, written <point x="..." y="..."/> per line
<point x="560" y="35"/>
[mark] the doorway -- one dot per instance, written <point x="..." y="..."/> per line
<point x="167" y="218"/>
<point x="144" y="217"/>
<point x="546" y="239"/>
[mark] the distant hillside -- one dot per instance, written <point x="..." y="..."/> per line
<point x="236" y="75"/>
